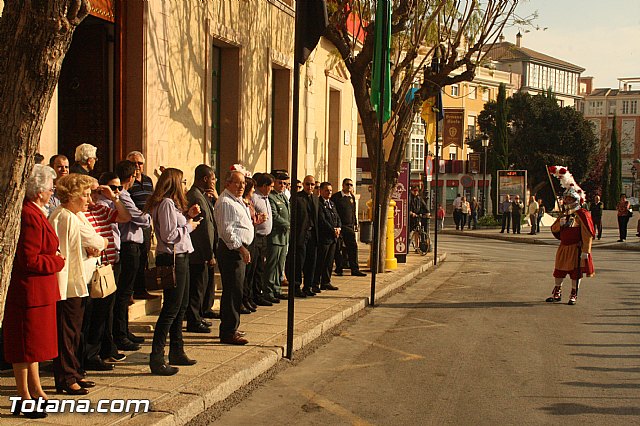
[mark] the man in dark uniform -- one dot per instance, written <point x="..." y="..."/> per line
<point x="305" y="207"/>
<point x="345" y="203"/>
<point x="328" y="232"/>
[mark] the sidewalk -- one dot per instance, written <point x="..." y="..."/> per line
<point x="221" y="369"/>
<point x="608" y="241"/>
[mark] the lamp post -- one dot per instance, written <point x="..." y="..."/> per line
<point x="485" y="145"/>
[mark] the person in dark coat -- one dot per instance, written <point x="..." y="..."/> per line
<point x="328" y="232"/>
<point x="305" y="208"/>
<point x="345" y="203"/>
<point x="30" y="333"/>
<point x="203" y="240"/>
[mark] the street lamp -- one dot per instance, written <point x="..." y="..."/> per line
<point x="485" y="145"/>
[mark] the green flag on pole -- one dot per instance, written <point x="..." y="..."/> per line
<point x="382" y="47"/>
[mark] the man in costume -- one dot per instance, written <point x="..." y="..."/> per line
<point x="575" y="231"/>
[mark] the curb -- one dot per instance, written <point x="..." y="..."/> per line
<point x="610" y="246"/>
<point x="184" y="405"/>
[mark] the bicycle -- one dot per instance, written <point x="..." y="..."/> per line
<point x="420" y="239"/>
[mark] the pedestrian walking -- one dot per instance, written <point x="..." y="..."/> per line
<point x="532" y="212"/>
<point x="440" y="214"/>
<point x="517" y="208"/>
<point x="457" y="209"/>
<point x="473" y="218"/>
<point x="624" y="214"/>
<point x="465" y="209"/>
<point x="506" y="214"/>
<point x="596" y="209"/>
<point x="541" y="211"/>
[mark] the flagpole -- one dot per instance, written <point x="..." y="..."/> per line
<point x="435" y="67"/>
<point x="380" y="160"/>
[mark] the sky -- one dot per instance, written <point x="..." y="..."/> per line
<point x="602" y="36"/>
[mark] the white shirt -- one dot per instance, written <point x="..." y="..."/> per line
<point x="457" y="203"/>
<point x="233" y="221"/>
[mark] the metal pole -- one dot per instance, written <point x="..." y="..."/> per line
<point x="293" y="236"/>
<point x="484" y="184"/>
<point x="380" y="163"/>
<point x="437" y="168"/>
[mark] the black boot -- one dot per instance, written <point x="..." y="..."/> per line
<point x="178" y="357"/>
<point x="160" y="367"/>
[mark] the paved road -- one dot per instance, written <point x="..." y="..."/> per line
<point x="473" y="343"/>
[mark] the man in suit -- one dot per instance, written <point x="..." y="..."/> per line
<point x="328" y="233"/>
<point x="345" y="203"/>
<point x="279" y="237"/>
<point x="305" y="208"/>
<point x="203" y="240"/>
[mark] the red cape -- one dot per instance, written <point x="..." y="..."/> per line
<point x="585" y="217"/>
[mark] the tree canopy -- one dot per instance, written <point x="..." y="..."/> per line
<point x="540" y="133"/>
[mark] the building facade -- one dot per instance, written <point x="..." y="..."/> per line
<point x="539" y="72"/>
<point x="189" y="82"/>
<point x="600" y="106"/>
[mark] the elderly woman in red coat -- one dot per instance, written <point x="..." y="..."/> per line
<point x="30" y="334"/>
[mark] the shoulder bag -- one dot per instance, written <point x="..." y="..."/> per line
<point x="161" y="277"/>
<point x="103" y="282"/>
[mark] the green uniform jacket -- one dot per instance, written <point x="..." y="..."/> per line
<point x="281" y="212"/>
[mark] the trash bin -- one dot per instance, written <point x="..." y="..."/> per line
<point x="366" y="231"/>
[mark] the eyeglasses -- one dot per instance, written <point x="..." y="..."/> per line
<point x="116" y="187"/>
<point x="349" y="184"/>
<point x="138" y="163"/>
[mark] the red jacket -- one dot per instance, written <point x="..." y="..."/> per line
<point x="33" y="279"/>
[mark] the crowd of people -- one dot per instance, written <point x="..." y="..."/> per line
<point x="72" y="223"/>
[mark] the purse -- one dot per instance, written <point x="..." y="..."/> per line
<point x="161" y="277"/>
<point x="103" y="282"/>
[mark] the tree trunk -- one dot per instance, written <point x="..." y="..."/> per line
<point x="34" y="38"/>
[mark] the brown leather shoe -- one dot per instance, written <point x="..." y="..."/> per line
<point x="235" y="339"/>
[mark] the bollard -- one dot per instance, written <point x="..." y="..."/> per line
<point x="390" y="261"/>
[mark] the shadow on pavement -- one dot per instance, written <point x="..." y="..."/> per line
<point x="572" y="409"/>
<point x="463" y="305"/>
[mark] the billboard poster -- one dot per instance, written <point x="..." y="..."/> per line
<point x="474" y="162"/>
<point x="401" y="219"/>
<point x="512" y="183"/>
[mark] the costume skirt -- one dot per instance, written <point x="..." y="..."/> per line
<point x="30" y="334"/>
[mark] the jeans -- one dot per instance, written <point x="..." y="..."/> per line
<point x="174" y="306"/>
<point x="622" y="226"/>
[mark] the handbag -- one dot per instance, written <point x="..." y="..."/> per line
<point x="161" y="277"/>
<point x="103" y="282"/>
<point x="630" y="213"/>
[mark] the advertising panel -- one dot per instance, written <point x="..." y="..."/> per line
<point x="453" y="130"/>
<point x="401" y="219"/>
<point x="511" y="182"/>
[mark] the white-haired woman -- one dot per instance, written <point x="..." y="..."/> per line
<point x="30" y="311"/>
<point x="79" y="242"/>
<point x="85" y="157"/>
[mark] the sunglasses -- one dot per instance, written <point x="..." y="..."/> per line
<point x="116" y="187"/>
